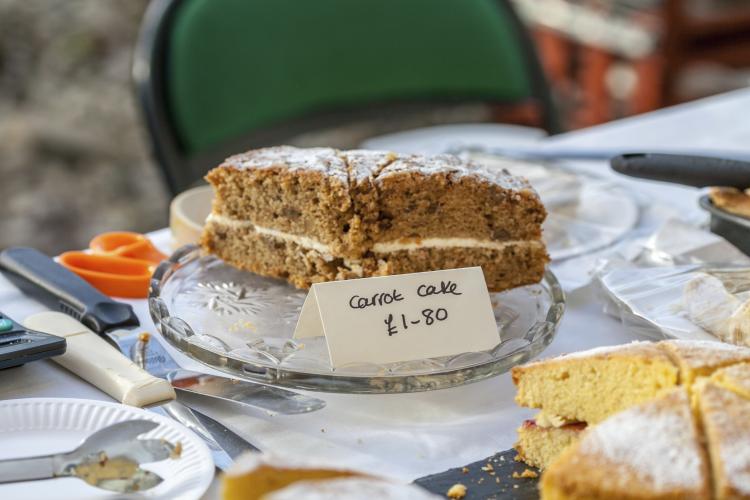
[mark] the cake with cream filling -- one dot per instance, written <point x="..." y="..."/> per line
<point x="578" y="390"/>
<point x="319" y="214"/>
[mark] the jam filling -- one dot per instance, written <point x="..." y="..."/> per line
<point x="573" y="426"/>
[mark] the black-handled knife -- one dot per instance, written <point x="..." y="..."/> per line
<point x="696" y="171"/>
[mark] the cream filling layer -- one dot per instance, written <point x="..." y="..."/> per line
<point x="380" y="247"/>
<point x="547" y="420"/>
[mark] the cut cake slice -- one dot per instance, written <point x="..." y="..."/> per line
<point x="539" y="445"/>
<point x="726" y="425"/>
<point x="736" y="378"/>
<point x="700" y="358"/>
<point x="591" y="385"/>
<point x="650" y="451"/>
<point x="318" y="214"/>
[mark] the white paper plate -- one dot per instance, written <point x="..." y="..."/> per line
<point x="39" y="426"/>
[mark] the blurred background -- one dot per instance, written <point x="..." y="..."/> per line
<point x="75" y="155"/>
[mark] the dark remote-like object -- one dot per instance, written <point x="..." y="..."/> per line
<point x="19" y="345"/>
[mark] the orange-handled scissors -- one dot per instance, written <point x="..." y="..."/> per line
<point x="120" y="264"/>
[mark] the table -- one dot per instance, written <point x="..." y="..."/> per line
<point x="411" y="435"/>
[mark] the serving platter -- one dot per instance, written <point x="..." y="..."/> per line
<point x="242" y="324"/>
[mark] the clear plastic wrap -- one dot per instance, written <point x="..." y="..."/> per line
<point x="682" y="283"/>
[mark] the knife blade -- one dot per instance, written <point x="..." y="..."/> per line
<point x="41" y="277"/>
<point x="92" y="358"/>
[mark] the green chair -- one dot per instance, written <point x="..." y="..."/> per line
<point x="215" y="77"/>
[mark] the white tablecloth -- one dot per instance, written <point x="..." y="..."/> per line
<point x="411" y="435"/>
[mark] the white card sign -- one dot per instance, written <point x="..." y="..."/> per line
<point x="402" y="317"/>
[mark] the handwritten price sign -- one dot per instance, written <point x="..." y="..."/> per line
<point x="401" y="318"/>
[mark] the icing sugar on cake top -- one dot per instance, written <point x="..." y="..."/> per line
<point x="323" y="160"/>
<point x="656" y="441"/>
<point x="360" y="164"/>
<point x="726" y="415"/>
<point x="367" y="164"/>
<point x="456" y="167"/>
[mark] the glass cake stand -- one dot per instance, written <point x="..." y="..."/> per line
<point x="242" y="324"/>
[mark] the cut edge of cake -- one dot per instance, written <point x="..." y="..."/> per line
<point x="623" y="375"/>
<point x="372" y="214"/>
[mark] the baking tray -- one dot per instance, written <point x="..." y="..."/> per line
<point x="732" y="228"/>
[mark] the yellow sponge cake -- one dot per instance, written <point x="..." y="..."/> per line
<point x="538" y="445"/>
<point x="726" y="424"/>
<point x="650" y="451"/>
<point x="591" y="385"/>
<point x="736" y="378"/>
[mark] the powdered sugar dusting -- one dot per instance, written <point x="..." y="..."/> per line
<point x="323" y="160"/>
<point x="366" y="164"/>
<point x="656" y="441"/>
<point x="637" y="347"/>
<point x="455" y="167"/>
<point x="708" y="353"/>
<point x="728" y="415"/>
<point x="358" y="165"/>
<point x="713" y="345"/>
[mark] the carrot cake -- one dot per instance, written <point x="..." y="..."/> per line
<point x="319" y="214"/>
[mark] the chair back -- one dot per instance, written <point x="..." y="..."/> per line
<point x="219" y="76"/>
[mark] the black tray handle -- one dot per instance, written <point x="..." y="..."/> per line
<point x="696" y="171"/>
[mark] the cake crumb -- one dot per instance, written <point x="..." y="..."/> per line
<point x="515" y="486"/>
<point x="497" y="480"/>
<point x="517" y="458"/>
<point x="488" y="467"/>
<point x="465" y="470"/>
<point x="457" y="491"/>
<point x="527" y="473"/>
